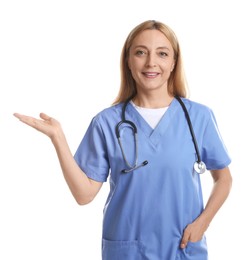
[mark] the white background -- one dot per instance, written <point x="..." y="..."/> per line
<point x="62" y="58"/>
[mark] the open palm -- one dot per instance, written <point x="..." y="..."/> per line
<point x="47" y="125"/>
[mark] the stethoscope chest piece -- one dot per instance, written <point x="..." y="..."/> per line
<point x="199" y="167"/>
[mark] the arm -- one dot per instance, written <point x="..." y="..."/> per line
<point x="221" y="188"/>
<point x="82" y="188"/>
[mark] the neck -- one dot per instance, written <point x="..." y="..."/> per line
<point x="152" y="101"/>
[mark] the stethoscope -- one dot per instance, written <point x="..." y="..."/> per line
<point x="199" y="165"/>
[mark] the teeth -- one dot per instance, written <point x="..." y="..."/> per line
<point x="151" y="74"/>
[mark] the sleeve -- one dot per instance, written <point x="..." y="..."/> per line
<point x="214" y="151"/>
<point x="91" y="155"/>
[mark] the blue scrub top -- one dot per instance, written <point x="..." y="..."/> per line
<point x="147" y="209"/>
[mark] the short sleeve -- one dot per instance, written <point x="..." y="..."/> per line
<point x="91" y="155"/>
<point x="214" y="151"/>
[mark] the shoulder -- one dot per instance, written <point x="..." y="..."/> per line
<point x="197" y="107"/>
<point x="199" y="112"/>
<point x="107" y="115"/>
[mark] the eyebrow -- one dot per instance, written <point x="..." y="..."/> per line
<point x="143" y="46"/>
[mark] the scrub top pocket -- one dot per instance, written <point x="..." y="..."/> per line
<point x="121" y="250"/>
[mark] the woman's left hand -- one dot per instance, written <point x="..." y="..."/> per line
<point x="222" y="184"/>
<point x="193" y="232"/>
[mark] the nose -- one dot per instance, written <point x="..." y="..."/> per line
<point x="151" y="60"/>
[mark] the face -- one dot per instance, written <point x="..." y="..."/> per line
<point x="151" y="60"/>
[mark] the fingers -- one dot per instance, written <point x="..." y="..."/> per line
<point x="26" y="119"/>
<point x="17" y="115"/>
<point x="46" y="125"/>
<point x="184" y="240"/>
<point x="31" y="121"/>
<point x="44" y="116"/>
<point x="192" y="233"/>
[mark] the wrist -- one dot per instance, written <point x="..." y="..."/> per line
<point x="203" y="220"/>
<point x="57" y="137"/>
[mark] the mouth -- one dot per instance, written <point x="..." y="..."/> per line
<point x="150" y="74"/>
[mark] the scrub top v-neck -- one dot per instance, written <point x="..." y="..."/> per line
<point x="147" y="209"/>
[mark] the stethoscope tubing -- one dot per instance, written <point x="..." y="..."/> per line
<point x="199" y="165"/>
<point x="190" y="128"/>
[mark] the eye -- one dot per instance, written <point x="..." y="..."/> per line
<point x="163" y="54"/>
<point x="140" y="52"/>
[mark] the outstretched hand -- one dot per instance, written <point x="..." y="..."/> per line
<point x="47" y="125"/>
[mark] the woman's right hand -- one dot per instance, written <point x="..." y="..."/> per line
<point x="46" y="125"/>
<point x="83" y="189"/>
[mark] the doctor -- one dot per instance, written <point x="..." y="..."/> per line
<point x="143" y="144"/>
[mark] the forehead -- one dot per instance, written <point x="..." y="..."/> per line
<point x="151" y="38"/>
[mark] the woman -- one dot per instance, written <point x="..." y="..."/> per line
<point x="144" y="142"/>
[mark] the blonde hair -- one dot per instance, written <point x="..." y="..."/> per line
<point x="177" y="85"/>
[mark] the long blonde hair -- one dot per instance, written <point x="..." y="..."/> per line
<point x="177" y="84"/>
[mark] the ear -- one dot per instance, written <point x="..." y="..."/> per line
<point x="173" y="65"/>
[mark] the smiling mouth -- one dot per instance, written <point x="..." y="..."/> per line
<point x="150" y="74"/>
